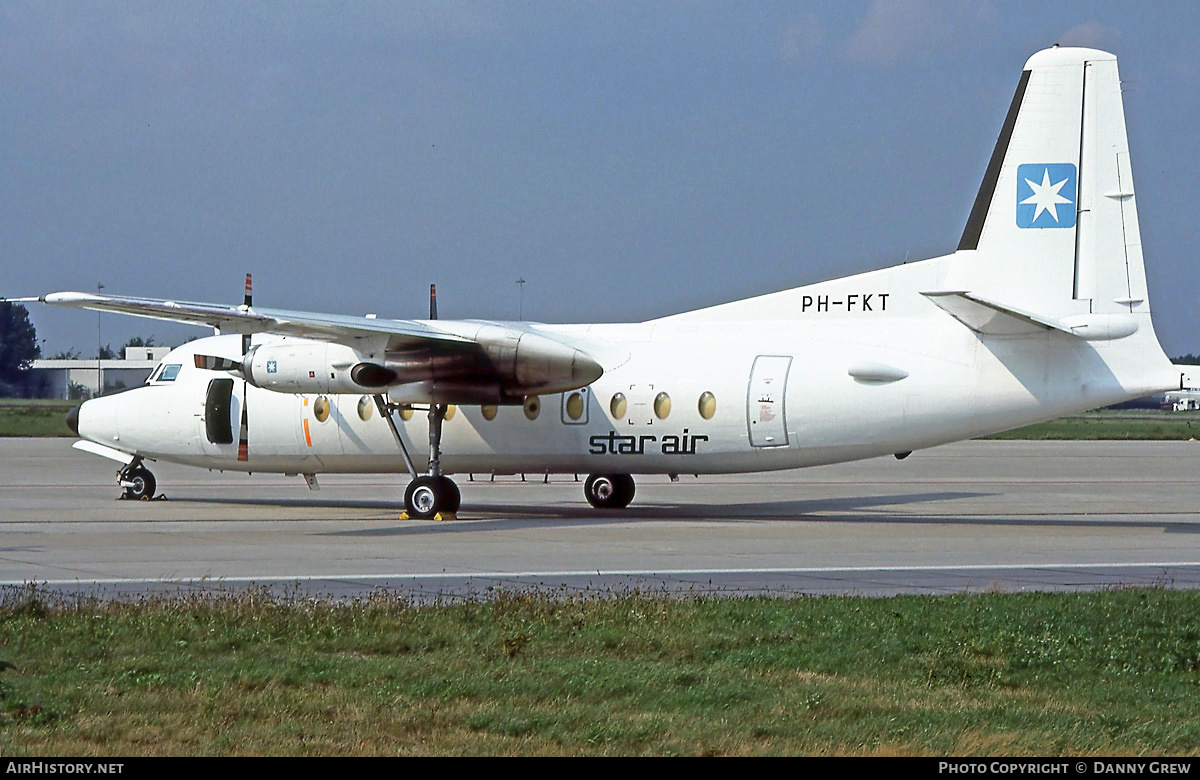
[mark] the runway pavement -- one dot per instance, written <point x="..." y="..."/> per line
<point x="966" y="517"/>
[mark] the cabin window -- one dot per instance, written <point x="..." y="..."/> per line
<point x="489" y="411"/>
<point x="618" y="405"/>
<point x="406" y="412"/>
<point x="169" y="372"/>
<point x="708" y="405"/>
<point x="321" y="408"/>
<point x="366" y="407"/>
<point x="575" y="406"/>
<point x="451" y="409"/>
<point x="662" y="406"/>
<point x="533" y="407"/>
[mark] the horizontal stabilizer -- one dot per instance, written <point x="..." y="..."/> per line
<point x="995" y="319"/>
<point x="991" y="318"/>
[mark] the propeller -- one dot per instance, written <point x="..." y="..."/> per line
<point x="433" y="301"/>
<point x="244" y="429"/>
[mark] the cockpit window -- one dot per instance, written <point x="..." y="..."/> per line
<point x="169" y="372"/>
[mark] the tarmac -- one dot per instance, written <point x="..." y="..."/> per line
<point x="969" y="517"/>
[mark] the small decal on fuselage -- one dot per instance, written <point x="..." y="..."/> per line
<point x="614" y="443"/>
<point x="864" y="302"/>
<point x="272" y="366"/>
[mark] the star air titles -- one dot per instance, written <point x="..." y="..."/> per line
<point x="613" y="443"/>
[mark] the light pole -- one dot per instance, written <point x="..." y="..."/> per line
<point x="99" y="351"/>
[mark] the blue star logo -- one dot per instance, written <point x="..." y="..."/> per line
<point x="1046" y="195"/>
<point x="271" y="366"/>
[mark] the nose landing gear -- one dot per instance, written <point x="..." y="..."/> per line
<point x="137" y="480"/>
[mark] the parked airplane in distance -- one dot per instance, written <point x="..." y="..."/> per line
<point x="1042" y="311"/>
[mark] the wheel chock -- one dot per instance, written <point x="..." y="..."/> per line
<point x="440" y="516"/>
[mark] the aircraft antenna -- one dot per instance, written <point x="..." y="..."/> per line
<point x="521" y="310"/>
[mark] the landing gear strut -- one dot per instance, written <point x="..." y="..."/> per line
<point x="137" y="480"/>
<point x="430" y="493"/>
<point x="609" y="491"/>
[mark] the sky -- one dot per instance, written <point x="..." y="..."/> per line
<point x="629" y="160"/>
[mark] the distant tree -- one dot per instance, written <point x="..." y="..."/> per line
<point x="18" y="344"/>
<point x="1187" y="360"/>
<point x="106" y="353"/>
<point x="138" y="341"/>
<point x="65" y="354"/>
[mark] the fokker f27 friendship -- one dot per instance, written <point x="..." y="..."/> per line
<point x="1041" y="311"/>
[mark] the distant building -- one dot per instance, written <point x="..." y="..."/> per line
<point x="54" y="378"/>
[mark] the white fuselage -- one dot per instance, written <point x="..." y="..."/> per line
<point x="783" y="396"/>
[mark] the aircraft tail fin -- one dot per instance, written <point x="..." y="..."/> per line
<point x="1054" y="226"/>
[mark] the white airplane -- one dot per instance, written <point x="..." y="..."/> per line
<point x="1042" y="311"/>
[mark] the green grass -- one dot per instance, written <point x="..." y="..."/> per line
<point x="1031" y="674"/>
<point x="1114" y="425"/>
<point x="21" y="417"/>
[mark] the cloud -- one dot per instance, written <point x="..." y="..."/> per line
<point x="896" y="30"/>
<point x="1088" y="34"/>
<point x="801" y="39"/>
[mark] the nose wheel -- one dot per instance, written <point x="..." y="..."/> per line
<point x="609" y="491"/>
<point x="137" y="480"/>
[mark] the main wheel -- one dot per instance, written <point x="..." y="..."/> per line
<point x="450" y="494"/>
<point x="609" y="491"/>
<point x="143" y="485"/>
<point x="426" y="496"/>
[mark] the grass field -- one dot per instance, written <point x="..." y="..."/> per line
<point x="1111" y="673"/>
<point x="1114" y="424"/>
<point x="21" y="417"/>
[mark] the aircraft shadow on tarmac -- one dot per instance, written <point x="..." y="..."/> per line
<point x="842" y="510"/>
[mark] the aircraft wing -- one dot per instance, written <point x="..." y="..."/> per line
<point x="243" y="319"/>
<point x="452" y="361"/>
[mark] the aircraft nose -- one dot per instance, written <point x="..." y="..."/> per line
<point x="73" y="420"/>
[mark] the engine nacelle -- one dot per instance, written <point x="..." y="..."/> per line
<point x="294" y="365"/>
<point x="502" y="366"/>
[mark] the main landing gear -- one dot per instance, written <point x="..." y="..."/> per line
<point x="431" y="493"/>
<point x="427" y="495"/>
<point x="609" y="491"/>
<point x="137" y="480"/>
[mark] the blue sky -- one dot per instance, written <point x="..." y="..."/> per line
<point x="628" y="159"/>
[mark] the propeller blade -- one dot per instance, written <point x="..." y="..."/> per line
<point x="433" y="301"/>
<point x="212" y="363"/>
<point x="244" y="429"/>
<point x="247" y="302"/>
